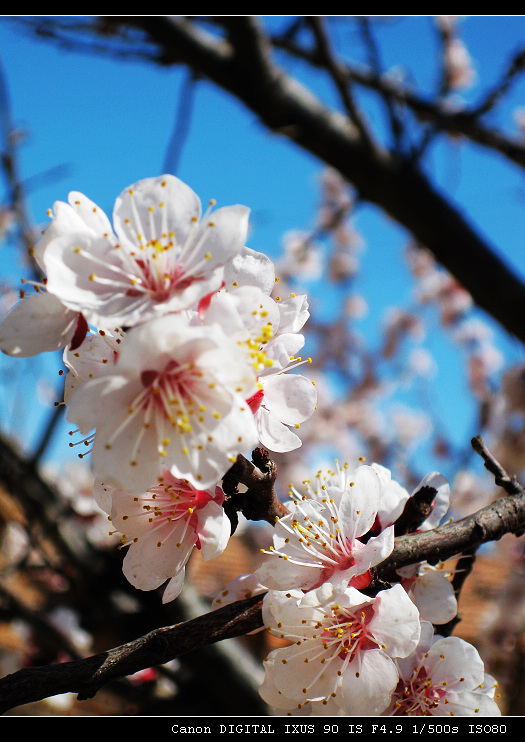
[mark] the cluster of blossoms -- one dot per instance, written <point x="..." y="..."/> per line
<point x="176" y="356"/>
<point x="179" y="359"/>
<point x="348" y="651"/>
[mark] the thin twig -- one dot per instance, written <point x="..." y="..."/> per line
<point x="502" y="479"/>
<point x="341" y="80"/>
<point x="373" y="51"/>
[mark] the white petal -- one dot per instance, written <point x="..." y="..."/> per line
<point x="293" y="675"/>
<point x="38" y="324"/>
<point x="132" y="215"/>
<point x="269" y="691"/>
<point x="393" y="498"/>
<point x="65" y="220"/>
<point x="276" y="574"/>
<point x="396" y="622"/>
<point x="250" y="268"/>
<point x="102" y="494"/>
<point x="95" y="354"/>
<point x="213" y="530"/>
<point x="367" y="684"/>
<point x="277" y="605"/>
<point x="139" y="574"/>
<point x="434" y="596"/>
<point x="470" y="704"/>
<point x="282" y="348"/>
<point x="226" y="237"/>
<point x="376" y="551"/>
<point x="75" y="278"/>
<point x="452" y="658"/>
<point x="150" y="561"/>
<point x="101" y="398"/>
<point x="91" y="214"/>
<point x="130" y="461"/>
<point x="294" y="313"/>
<point x="273" y="434"/>
<point x="360" y="501"/>
<point x="290" y="398"/>
<point x="174" y="587"/>
<point x="129" y="458"/>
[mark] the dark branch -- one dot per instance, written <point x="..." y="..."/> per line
<point x="502" y="479"/>
<point x="505" y="515"/>
<point x="337" y="73"/>
<point x="465" y="122"/>
<point x="248" y="72"/>
<point x="256" y="498"/>
<point x="86" y="676"/>
<point x="417" y="509"/>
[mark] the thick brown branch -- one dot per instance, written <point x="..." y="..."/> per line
<point x="505" y="515"/>
<point x="86" y="676"/>
<point x="398" y="187"/>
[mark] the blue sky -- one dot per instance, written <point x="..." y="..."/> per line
<point x="106" y="124"/>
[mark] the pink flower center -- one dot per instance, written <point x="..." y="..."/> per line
<point x="168" y="502"/>
<point x="171" y="392"/>
<point x="418" y="696"/>
<point x="159" y="275"/>
<point x="342" y="559"/>
<point x="350" y="632"/>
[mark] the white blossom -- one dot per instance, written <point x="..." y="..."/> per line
<point x="342" y="647"/>
<point x="443" y="677"/>
<point x="162" y="526"/>
<point x="160" y="256"/>
<point x="321" y="538"/>
<point x="175" y="398"/>
<point x="268" y="332"/>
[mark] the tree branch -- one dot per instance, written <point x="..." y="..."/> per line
<point x="502" y="479"/>
<point x="465" y="122"/>
<point x="86" y="676"/>
<point x="241" y="63"/>
<point x="257" y="499"/>
<point x="248" y="72"/>
<point x="337" y="73"/>
<point x="505" y="515"/>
